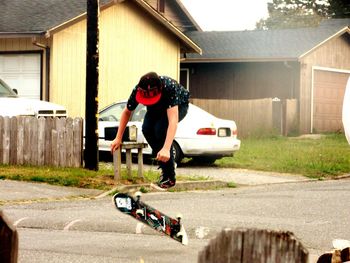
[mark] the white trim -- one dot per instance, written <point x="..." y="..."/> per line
<point x="340" y="32"/>
<point x="313" y="68"/>
<point x="331" y="69"/>
<point x="187" y="76"/>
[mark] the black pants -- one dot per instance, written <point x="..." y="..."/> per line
<point x="154" y="129"/>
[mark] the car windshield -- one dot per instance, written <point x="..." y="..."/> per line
<point x="113" y="112"/>
<point x="5" y="90"/>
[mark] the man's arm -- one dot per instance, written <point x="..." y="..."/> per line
<point x="173" y="119"/>
<point x="125" y="116"/>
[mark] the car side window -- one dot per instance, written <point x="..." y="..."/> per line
<point x="113" y="113"/>
<point x="139" y="113"/>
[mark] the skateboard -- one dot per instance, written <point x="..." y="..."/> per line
<point x="133" y="206"/>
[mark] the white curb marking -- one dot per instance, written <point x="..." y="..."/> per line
<point x="202" y="231"/>
<point x="20" y="220"/>
<point x="66" y="228"/>
<point x="139" y="227"/>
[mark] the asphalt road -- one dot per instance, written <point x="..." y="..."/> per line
<point x="92" y="230"/>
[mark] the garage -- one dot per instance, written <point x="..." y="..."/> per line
<point x="328" y="93"/>
<point x="22" y="72"/>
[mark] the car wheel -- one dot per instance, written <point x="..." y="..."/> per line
<point x="178" y="155"/>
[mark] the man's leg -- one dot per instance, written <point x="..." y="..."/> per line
<point x="161" y="127"/>
<point x="148" y="130"/>
<point x="155" y="134"/>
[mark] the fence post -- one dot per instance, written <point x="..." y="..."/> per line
<point x="1" y="139"/>
<point x="8" y="240"/>
<point x="277" y="115"/>
<point x="254" y="246"/>
<point x="117" y="161"/>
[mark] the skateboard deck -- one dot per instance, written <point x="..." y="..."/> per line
<point x="133" y="206"/>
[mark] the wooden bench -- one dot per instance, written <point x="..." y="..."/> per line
<point x="128" y="146"/>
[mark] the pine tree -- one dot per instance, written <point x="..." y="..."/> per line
<point x="302" y="13"/>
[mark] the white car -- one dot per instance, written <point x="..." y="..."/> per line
<point x="199" y="135"/>
<point x="12" y="105"/>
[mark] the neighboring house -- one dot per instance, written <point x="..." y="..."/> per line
<point x="43" y="47"/>
<point x="309" y="65"/>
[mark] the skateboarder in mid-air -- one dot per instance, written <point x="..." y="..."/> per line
<point x="167" y="104"/>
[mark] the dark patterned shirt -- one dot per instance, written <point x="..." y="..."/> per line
<point x="173" y="94"/>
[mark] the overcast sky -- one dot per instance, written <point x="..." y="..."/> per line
<point x="227" y="15"/>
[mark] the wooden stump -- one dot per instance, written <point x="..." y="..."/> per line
<point x="128" y="146"/>
<point x="8" y="240"/>
<point x="254" y="246"/>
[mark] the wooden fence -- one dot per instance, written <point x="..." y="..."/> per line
<point x="43" y="141"/>
<point x="253" y="246"/>
<point x="255" y="117"/>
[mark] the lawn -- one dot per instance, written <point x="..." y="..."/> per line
<point x="325" y="157"/>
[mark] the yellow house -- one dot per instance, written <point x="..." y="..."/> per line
<point x="134" y="38"/>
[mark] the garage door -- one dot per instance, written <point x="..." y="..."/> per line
<point x="329" y="89"/>
<point x="22" y="72"/>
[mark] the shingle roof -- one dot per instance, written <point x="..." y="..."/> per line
<point x="288" y="44"/>
<point x="32" y="17"/>
<point x="335" y="22"/>
<point x="36" y="16"/>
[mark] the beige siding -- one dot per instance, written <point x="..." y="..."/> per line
<point x="68" y="68"/>
<point x="18" y="44"/>
<point x="25" y="45"/>
<point x="131" y="44"/>
<point x="334" y="54"/>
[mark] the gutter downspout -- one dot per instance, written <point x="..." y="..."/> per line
<point x="47" y="66"/>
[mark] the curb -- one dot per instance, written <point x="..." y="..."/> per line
<point x="180" y="186"/>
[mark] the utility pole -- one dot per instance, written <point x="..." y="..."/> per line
<point x="91" y="103"/>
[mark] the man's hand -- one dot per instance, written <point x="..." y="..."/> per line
<point x="163" y="155"/>
<point x="115" y="145"/>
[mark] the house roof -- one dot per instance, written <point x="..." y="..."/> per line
<point x="37" y="17"/>
<point x="336" y="22"/>
<point x="260" y="45"/>
<point x="190" y="23"/>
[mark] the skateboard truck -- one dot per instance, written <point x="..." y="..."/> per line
<point x="182" y="233"/>
<point x="139" y="210"/>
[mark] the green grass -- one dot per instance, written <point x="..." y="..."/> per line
<point x="321" y="158"/>
<point x="77" y="177"/>
<point x="326" y="157"/>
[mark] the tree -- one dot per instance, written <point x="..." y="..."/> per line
<point x="302" y="13"/>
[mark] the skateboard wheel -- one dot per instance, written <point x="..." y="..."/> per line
<point x="138" y="194"/>
<point x="179" y="216"/>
